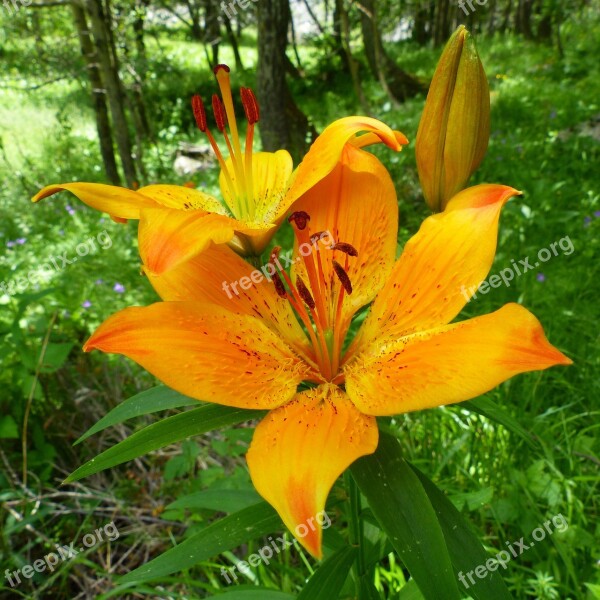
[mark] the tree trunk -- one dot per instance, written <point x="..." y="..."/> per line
<point x="105" y="136"/>
<point x="112" y="82"/>
<point x="234" y="43"/>
<point x="212" y="28"/>
<point x="282" y="125"/>
<point x="397" y="82"/>
<point x="352" y="64"/>
<point x="441" y="29"/>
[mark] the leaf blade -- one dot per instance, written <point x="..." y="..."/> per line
<point x="405" y="513"/>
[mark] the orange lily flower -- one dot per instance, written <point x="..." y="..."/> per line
<point x="255" y="348"/>
<point x="258" y="188"/>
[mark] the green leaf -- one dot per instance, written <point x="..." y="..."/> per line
<point x="466" y="550"/>
<point x="488" y="408"/>
<point x="55" y="356"/>
<point x="328" y="580"/>
<point x="144" y="403"/>
<point x="221" y="500"/>
<point x="368" y="591"/>
<point x="8" y="428"/>
<point x="256" y="593"/>
<point x="404" y="512"/>
<point x="170" y="430"/>
<point x="224" y="534"/>
<point x="410" y="591"/>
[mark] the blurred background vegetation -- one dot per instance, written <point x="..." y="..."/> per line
<point x="99" y="91"/>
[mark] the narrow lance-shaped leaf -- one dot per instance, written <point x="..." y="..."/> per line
<point x="225" y="534"/>
<point x="405" y="513"/>
<point x="161" y="434"/>
<point x="150" y="401"/>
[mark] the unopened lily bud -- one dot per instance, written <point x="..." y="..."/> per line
<point x="455" y="125"/>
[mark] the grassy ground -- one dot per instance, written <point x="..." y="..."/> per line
<point x="505" y="488"/>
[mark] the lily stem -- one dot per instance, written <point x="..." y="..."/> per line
<point x="355" y="524"/>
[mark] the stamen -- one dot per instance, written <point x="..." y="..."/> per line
<point x="304" y="293"/>
<point x="315" y="237"/>
<point x="342" y="276"/>
<point x="251" y="107"/>
<point x="346" y="248"/>
<point x="279" y="287"/>
<point x="219" y="111"/>
<point x="300" y="219"/>
<point x="199" y="113"/>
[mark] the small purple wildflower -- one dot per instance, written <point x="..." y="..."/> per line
<point x="99" y="282"/>
<point x="540" y="277"/>
<point x="597" y="214"/>
<point x="119" y="288"/>
<point x="10" y="244"/>
<point x="586" y="222"/>
<point x="70" y="209"/>
<point x="21" y="241"/>
<point x="86" y="304"/>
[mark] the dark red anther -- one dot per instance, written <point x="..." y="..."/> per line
<point x="300" y="218"/>
<point x="199" y="113"/>
<point x="348" y="249"/>
<point x="217" y="68"/>
<point x="279" y="287"/>
<point x="342" y="276"/>
<point x="250" y="105"/>
<point x="219" y="111"/>
<point x="304" y="293"/>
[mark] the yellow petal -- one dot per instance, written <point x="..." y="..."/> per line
<point x="449" y="364"/>
<point x="182" y="198"/>
<point x="271" y="172"/>
<point x="120" y="203"/>
<point x="357" y="204"/>
<point x="299" y="450"/>
<point x="450" y="255"/>
<point x="205" y="352"/>
<point x="219" y="276"/>
<point x="168" y="237"/>
<point x="325" y="153"/>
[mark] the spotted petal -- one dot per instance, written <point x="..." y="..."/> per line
<point x="449" y="364"/>
<point x="119" y="202"/>
<point x="205" y="352"/>
<point x="299" y="450"/>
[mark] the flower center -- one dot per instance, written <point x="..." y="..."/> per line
<point x="320" y="307"/>
<point x="237" y="174"/>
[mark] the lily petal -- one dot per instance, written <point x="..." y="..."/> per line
<point x="182" y="198"/>
<point x="205" y="352"/>
<point x="119" y="202"/>
<point x="357" y="204"/>
<point x="299" y="450"/>
<point x="440" y="267"/>
<point x="168" y="237"/>
<point x="271" y="172"/>
<point x="219" y="276"/>
<point x="325" y="153"/>
<point x="451" y="363"/>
